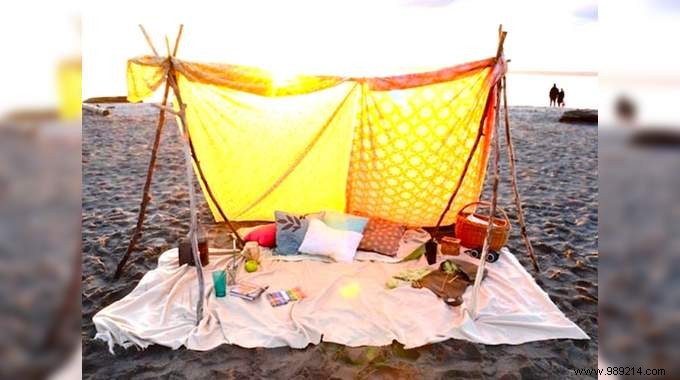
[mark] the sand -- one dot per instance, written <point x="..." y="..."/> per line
<point x="640" y="219"/>
<point x="557" y="170"/>
<point x="39" y="244"/>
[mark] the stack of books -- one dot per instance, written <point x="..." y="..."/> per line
<point x="247" y="291"/>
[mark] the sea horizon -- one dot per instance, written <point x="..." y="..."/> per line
<point x="530" y="88"/>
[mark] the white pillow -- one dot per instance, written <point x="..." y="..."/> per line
<point x="326" y="241"/>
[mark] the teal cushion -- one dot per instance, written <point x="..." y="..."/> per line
<point x="290" y="231"/>
<point x="345" y="222"/>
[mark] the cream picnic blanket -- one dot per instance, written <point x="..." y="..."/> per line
<point x="347" y="303"/>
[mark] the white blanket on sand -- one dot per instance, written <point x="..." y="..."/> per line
<point x="346" y="304"/>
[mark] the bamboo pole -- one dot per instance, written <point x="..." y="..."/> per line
<point x="494" y="187"/>
<point x="193" y="228"/>
<point x="145" y="198"/>
<point x="192" y="207"/>
<point x="147" y="185"/>
<point x="149" y="173"/>
<point x="211" y="195"/>
<point x="167" y="46"/>
<point x="179" y="35"/>
<point x="240" y="242"/>
<point x="501" y="41"/>
<point x="480" y="132"/>
<point x="148" y="40"/>
<point x="173" y="79"/>
<point x="201" y="175"/>
<point x="513" y="179"/>
<point x="492" y="212"/>
<point x="165" y="108"/>
<point x="189" y="154"/>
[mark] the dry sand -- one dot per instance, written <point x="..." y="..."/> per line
<point x="557" y="170"/>
<point x="39" y="244"/>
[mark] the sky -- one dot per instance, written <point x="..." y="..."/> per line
<point x="344" y="37"/>
<point x="639" y="59"/>
<point x="628" y="42"/>
<point x="33" y="44"/>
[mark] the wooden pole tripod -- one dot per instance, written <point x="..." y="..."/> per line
<point x="163" y="107"/>
<point x="498" y="89"/>
<point x="494" y="187"/>
<point x="149" y="174"/>
<point x="190" y="159"/>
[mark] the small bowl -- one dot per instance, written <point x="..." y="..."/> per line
<point x="450" y="246"/>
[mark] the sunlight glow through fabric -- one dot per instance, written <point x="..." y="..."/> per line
<point x="350" y="290"/>
<point x="390" y="147"/>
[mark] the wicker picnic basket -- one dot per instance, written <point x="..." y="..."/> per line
<point x="471" y="233"/>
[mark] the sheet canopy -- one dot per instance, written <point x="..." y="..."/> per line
<point x="391" y="147"/>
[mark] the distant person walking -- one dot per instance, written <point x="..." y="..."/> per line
<point x="560" y="98"/>
<point x="553" y="95"/>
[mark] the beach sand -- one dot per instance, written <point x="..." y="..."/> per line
<point x="39" y="244"/>
<point x="558" y="178"/>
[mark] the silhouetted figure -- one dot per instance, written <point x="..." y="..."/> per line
<point x="553" y="95"/>
<point x="560" y="98"/>
<point x="626" y="111"/>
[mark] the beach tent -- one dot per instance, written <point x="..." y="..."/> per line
<point x="410" y="148"/>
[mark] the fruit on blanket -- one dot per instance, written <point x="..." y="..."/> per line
<point x="251" y="266"/>
<point x="448" y="266"/>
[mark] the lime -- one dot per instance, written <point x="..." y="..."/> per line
<point x="251" y="266"/>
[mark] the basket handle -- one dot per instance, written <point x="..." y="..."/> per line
<point x="488" y="204"/>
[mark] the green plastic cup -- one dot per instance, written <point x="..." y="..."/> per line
<point x="220" y="282"/>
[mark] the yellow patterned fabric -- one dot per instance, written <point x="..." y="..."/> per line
<point x="391" y="147"/>
<point x="69" y="84"/>
<point x="410" y="148"/>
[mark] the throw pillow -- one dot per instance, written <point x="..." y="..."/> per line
<point x="264" y="235"/>
<point x="291" y="230"/>
<point x="382" y="236"/>
<point x="345" y="222"/>
<point x="323" y="240"/>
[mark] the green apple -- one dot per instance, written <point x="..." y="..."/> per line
<point x="251" y="266"/>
